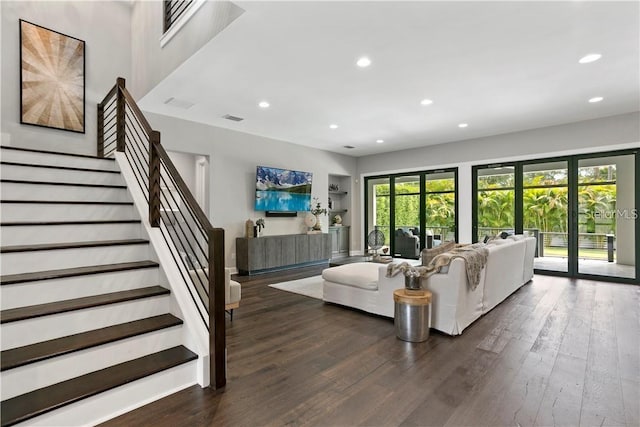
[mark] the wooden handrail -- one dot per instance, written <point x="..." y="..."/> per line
<point x="134" y="107"/>
<point x="109" y="95"/>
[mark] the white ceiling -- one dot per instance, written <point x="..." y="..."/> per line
<point x="498" y="66"/>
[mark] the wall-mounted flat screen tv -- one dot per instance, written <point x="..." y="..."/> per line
<point x="282" y="190"/>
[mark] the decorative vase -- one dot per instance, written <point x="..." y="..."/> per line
<point x="318" y="225"/>
<point x="249" y="228"/>
<point x="412" y="282"/>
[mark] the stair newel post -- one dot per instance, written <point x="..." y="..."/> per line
<point x="120" y="113"/>
<point x="100" y="151"/>
<point x="217" y="331"/>
<point x="154" y="179"/>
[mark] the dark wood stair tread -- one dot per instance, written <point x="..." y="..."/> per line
<point x="97" y="221"/>
<point x="70" y="184"/>
<point x="37" y="352"/>
<point x="58" y="153"/>
<point x="66" y="202"/>
<point x="38" y="402"/>
<point x="70" y="168"/>
<point x="11" y="279"/>
<point x="70" y="245"/>
<point x="39" y="310"/>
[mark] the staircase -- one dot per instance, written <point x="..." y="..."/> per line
<point x="87" y="328"/>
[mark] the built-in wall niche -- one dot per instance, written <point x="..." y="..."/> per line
<point x="339" y="199"/>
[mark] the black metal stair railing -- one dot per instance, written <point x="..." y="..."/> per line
<point x="195" y="244"/>
<point x="173" y="10"/>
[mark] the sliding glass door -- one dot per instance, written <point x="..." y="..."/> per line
<point x="494" y="200"/>
<point x="378" y="216"/>
<point x="413" y="210"/>
<point x="406" y="216"/>
<point x="545" y="199"/>
<point x="582" y="209"/>
<point x="606" y="235"/>
<point x="441" y="206"/>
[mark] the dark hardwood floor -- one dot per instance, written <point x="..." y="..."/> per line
<point x="557" y="352"/>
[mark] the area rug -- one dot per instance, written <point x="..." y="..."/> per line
<point x="309" y="286"/>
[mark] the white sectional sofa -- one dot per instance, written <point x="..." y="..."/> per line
<point x="454" y="305"/>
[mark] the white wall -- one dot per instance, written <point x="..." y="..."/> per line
<point x="106" y="29"/>
<point x="151" y="62"/>
<point x="186" y="164"/>
<point x="233" y="158"/>
<point x="609" y="133"/>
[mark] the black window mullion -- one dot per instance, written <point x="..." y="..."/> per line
<point x="392" y="215"/>
<point x="637" y="211"/>
<point x="455" y="204"/>
<point x="423" y="211"/>
<point x="518" y="199"/>
<point x="572" y="200"/>
<point x="474" y="203"/>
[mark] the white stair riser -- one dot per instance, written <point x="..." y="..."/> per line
<point x="47" y="372"/>
<point x="24" y="332"/>
<point x="30" y="173"/>
<point x="26" y="235"/>
<point x="13" y="212"/>
<point x="18" y="191"/>
<point x="107" y="405"/>
<point x="44" y="291"/>
<point x="48" y="159"/>
<point x="25" y="262"/>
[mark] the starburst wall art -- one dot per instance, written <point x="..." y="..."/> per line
<point x="51" y="78"/>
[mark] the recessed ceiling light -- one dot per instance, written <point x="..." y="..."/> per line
<point x="596" y="99"/>
<point x="363" y="62"/>
<point x="333" y="126"/>
<point x="592" y="57"/>
<point x="463" y="125"/>
<point x="263" y="104"/>
<point x="379" y="141"/>
<point x="426" y="102"/>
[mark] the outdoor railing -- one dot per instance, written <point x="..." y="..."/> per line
<point x="605" y="243"/>
<point x="196" y="246"/>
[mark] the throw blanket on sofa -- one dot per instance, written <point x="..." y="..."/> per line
<point x="474" y="256"/>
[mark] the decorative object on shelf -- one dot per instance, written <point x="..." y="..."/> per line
<point x="51" y="78"/>
<point x="249" y="228"/>
<point x="334" y="187"/>
<point x="310" y="220"/>
<point x="317" y="211"/>
<point x="330" y="203"/>
<point x="337" y="220"/>
<point x="259" y="226"/>
<point x="375" y="241"/>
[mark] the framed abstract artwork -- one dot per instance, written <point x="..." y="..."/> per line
<point x="52" y="78"/>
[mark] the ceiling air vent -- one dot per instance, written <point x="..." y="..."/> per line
<point x="179" y="103"/>
<point x="349" y="147"/>
<point x="232" y="118"/>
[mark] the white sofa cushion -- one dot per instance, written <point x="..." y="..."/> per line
<point x="359" y="275"/>
<point x="499" y="241"/>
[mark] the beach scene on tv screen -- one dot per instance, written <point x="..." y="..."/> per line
<point x="281" y="190"/>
